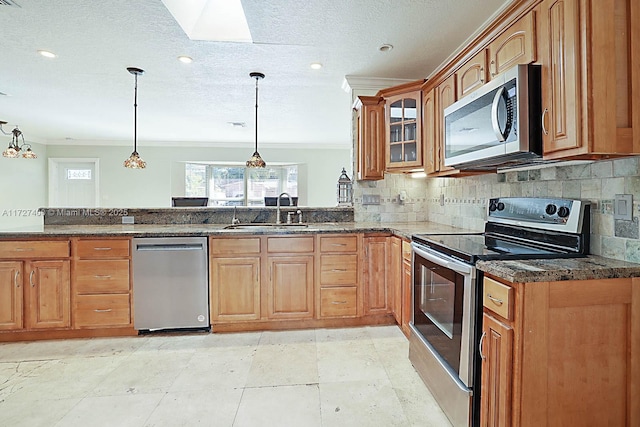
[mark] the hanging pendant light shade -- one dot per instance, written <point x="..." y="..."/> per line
<point x="14" y="148"/>
<point x="134" y="161"/>
<point x="256" y="161"/>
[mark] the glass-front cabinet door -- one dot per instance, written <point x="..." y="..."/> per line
<point x="404" y="147"/>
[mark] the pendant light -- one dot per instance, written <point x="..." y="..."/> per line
<point x="14" y="148"/>
<point x="256" y="161"/>
<point x="134" y="161"/>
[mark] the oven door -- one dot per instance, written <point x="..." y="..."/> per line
<point x="443" y="309"/>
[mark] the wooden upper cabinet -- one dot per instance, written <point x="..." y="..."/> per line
<point x="590" y="106"/>
<point x="403" y="126"/>
<point x="472" y="75"/>
<point x="370" y="131"/>
<point x="559" y="43"/>
<point x="516" y="45"/>
<point x="429" y="132"/>
<point x="445" y="96"/>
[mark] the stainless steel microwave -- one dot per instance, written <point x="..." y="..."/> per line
<point x="498" y="125"/>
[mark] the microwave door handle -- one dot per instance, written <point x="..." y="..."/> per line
<point x="494" y="115"/>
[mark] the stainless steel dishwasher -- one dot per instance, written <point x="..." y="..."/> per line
<point x="170" y="283"/>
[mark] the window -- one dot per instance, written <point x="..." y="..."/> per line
<point x="229" y="185"/>
<point x="79" y="174"/>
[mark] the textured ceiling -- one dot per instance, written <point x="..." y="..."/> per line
<point x="86" y="94"/>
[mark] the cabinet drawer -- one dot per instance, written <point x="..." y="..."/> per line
<point x="250" y="245"/>
<point x="102" y="248"/>
<point x="25" y="249"/>
<point x="102" y="276"/>
<point x="290" y="244"/>
<point x="339" y="269"/>
<point x="338" y="302"/>
<point x="102" y="310"/>
<point x="498" y="298"/>
<point x="338" y="244"/>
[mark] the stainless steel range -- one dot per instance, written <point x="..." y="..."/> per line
<point x="447" y="308"/>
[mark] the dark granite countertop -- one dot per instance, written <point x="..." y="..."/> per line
<point x="551" y="270"/>
<point x="404" y="230"/>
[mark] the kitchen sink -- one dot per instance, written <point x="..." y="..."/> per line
<point x="263" y="226"/>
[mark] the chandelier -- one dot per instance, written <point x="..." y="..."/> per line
<point x="14" y="148"/>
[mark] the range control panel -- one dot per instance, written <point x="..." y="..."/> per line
<point x="552" y="214"/>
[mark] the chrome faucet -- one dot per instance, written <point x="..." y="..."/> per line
<point x="235" y="219"/>
<point x="278" y="220"/>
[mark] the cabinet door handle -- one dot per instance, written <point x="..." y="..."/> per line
<point x="339" y="269"/>
<point x="31" y="278"/>
<point x="482" y="356"/>
<point x="495" y="300"/>
<point x="24" y="249"/>
<point x="102" y="249"/>
<point x="544" y="128"/>
<point x="102" y="310"/>
<point x="482" y="75"/>
<point x="15" y="279"/>
<point x="493" y="73"/>
<point x="102" y="276"/>
<point x="338" y="302"/>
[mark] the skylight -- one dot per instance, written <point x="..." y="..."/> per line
<point x="211" y="20"/>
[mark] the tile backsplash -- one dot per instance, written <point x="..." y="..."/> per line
<point x="462" y="202"/>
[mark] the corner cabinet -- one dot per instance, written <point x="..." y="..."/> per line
<point x="590" y="104"/>
<point x="370" y="131"/>
<point x="553" y="351"/>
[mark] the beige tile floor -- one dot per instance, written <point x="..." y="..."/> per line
<point x="323" y="377"/>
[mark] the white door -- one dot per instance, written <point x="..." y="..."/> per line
<point x="73" y="183"/>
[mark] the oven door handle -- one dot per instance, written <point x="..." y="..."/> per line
<point x="442" y="260"/>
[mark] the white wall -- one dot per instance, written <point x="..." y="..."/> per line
<point x="23" y="189"/>
<point x="164" y="175"/>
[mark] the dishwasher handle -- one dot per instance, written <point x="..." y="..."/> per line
<point x="170" y="247"/>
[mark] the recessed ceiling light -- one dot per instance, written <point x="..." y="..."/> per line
<point x="185" y="59"/>
<point x="47" y="54"/>
<point x="316" y="65"/>
<point x="385" y="47"/>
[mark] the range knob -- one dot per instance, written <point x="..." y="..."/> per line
<point x="500" y="206"/>
<point x="492" y="206"/>
<point x="563" y="212"/>
<point x="551" y="209"/>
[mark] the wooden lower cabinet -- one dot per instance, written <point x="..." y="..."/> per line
<point x="235" y="288"/>
<point x="407" y="288"/>
<point x="34" y="295"/>
<point x="101" y="283"/>
<point x="338" y="301"/>
<point x="48" y="302"/>
<point x="290" y="289"/>
<point x="395" y="277"/>
<point x="570" y="355"/>
<point x="496" y="347"/>
<point x="11" y="295"/>
<point x="376" y="288"/>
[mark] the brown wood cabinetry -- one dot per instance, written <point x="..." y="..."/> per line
<point x="395" y="277"/>
<point x="472" y="75"/>
<point x="444" y="96"/>
<point x="407" y="287"/>
<point x="590" y="106"/>
<point x="290" y="290"/>
<point x="11" y="295"/>
<point x="430" y="140"/>
<point x="34" y="285"/>
<point x="101" y="283"/>
<point x="404" y="147"/>
<point x="376" y="275"/>
<point x="370" y="131"/>
<point x="338" y="276"/>
<point x="516" y="45"/>
<point x="568" y="347"/>
<point x="234" y="276"/>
